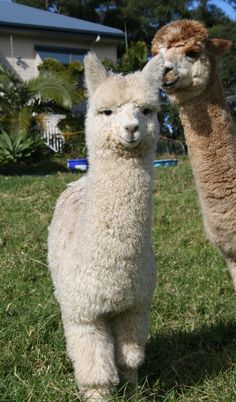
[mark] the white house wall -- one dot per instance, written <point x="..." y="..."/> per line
<point x="23" y="45"/>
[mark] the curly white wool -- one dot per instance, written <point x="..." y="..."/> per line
<point x="100" y="251"/>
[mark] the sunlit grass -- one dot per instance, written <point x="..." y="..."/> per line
<point x="191" y="353"/>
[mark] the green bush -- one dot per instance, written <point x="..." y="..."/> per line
<point x="133" y="59"/>
<point x="73" y="73"/>
<point x="19" y="147"/>
<point x="74" y="135"/>
<point x="51" y="64"/>
<point x="72" y="126"/>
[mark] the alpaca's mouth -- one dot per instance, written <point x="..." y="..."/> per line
<point x="130" y="140"/>
<point x="130" y="143"/>
<point x="170" y="84"/>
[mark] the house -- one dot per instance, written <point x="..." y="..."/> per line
<point x="29" y="35"/>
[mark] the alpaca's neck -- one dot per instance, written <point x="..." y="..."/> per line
<point x="211" y="139"/>
<point x="206" y="119"/>
<point x="109" y="164"/>
<point x="119" y="196"/>
<point x="123" y="177"/>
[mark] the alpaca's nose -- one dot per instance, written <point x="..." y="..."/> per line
<point x="131" y="127"/>
<point x="167" y="69"/>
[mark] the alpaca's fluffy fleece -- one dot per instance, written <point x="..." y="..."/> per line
<point x="100" y="251"/>
<point x="191" y="80"/>
<point x="179" y="33"/>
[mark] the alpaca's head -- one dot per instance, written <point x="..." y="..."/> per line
<point x="189" y="58"/>
<point x="122" y="110"/>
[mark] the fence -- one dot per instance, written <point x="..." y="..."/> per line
<point x="169" y="146"/>
<point x="52" y="135"/>
<point x="54" y="140"/>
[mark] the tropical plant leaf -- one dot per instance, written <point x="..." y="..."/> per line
<point x="18" y="147"/>
<point x="19" y="99"/>
<point x="5" y="141"/>
<point x="21" y="120"/>
<point x="54" y="87"/>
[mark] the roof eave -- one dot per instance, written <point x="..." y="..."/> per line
<point x="62" y="30"/>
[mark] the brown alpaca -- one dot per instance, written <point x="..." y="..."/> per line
<point x="191" y="81"/>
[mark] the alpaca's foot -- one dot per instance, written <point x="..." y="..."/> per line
<point x="91" y="349"/>
<point x="131" y="356"/>
<point x="129" y="375"/>
<point x="95" y="394"/>
<point x="129" y="361"/>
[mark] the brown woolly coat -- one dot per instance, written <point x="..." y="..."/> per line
<point x="209" y="130"/>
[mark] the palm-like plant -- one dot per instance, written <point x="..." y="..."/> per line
<point x="23" y="102"/>
<point x="17" y="147"/>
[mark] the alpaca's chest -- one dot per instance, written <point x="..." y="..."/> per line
<point x="117" y="231"/>
<point x="112" y="277"/>
<point x="116" y="220"/>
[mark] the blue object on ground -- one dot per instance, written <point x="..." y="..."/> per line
<point x="165" y="163"/>
<point x="82" y="164"/>
<point x="78" y="164"/>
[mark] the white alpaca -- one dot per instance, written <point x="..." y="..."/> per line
<point x="100" y="251"/>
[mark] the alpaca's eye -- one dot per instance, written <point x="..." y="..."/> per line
<point x="107" y="112"/>
<point x="192" y="54"/>
<point x="147" y="111"/>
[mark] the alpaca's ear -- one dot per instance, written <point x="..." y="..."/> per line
<point x="95" y="72"/>
<point x="154" y="69"/>
<point x="217" y="47"/>
<point x="155" y="49"/>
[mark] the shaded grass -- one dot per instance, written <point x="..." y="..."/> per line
<point x="46" y="167"/>
<point x="191" y="352"/>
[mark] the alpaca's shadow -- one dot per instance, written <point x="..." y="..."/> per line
<point x="44" y="168"/>
<point x="181" y="359"/>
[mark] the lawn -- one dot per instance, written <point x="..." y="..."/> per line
<point x="191" y="353"/>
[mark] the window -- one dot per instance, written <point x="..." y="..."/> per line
<point x="64" y="55"/>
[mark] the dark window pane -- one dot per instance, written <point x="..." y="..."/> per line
<point x="64" y="57"/>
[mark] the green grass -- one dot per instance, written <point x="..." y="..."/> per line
<point x="191" y="353"/>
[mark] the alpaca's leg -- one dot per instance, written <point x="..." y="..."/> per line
<point x="232" y="270"/>
<point x="91" y="349"/>
<point x="130" y="331"/>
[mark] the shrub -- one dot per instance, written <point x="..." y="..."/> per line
<point x="19" y="147"/>
<point x="73" y="132"/>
